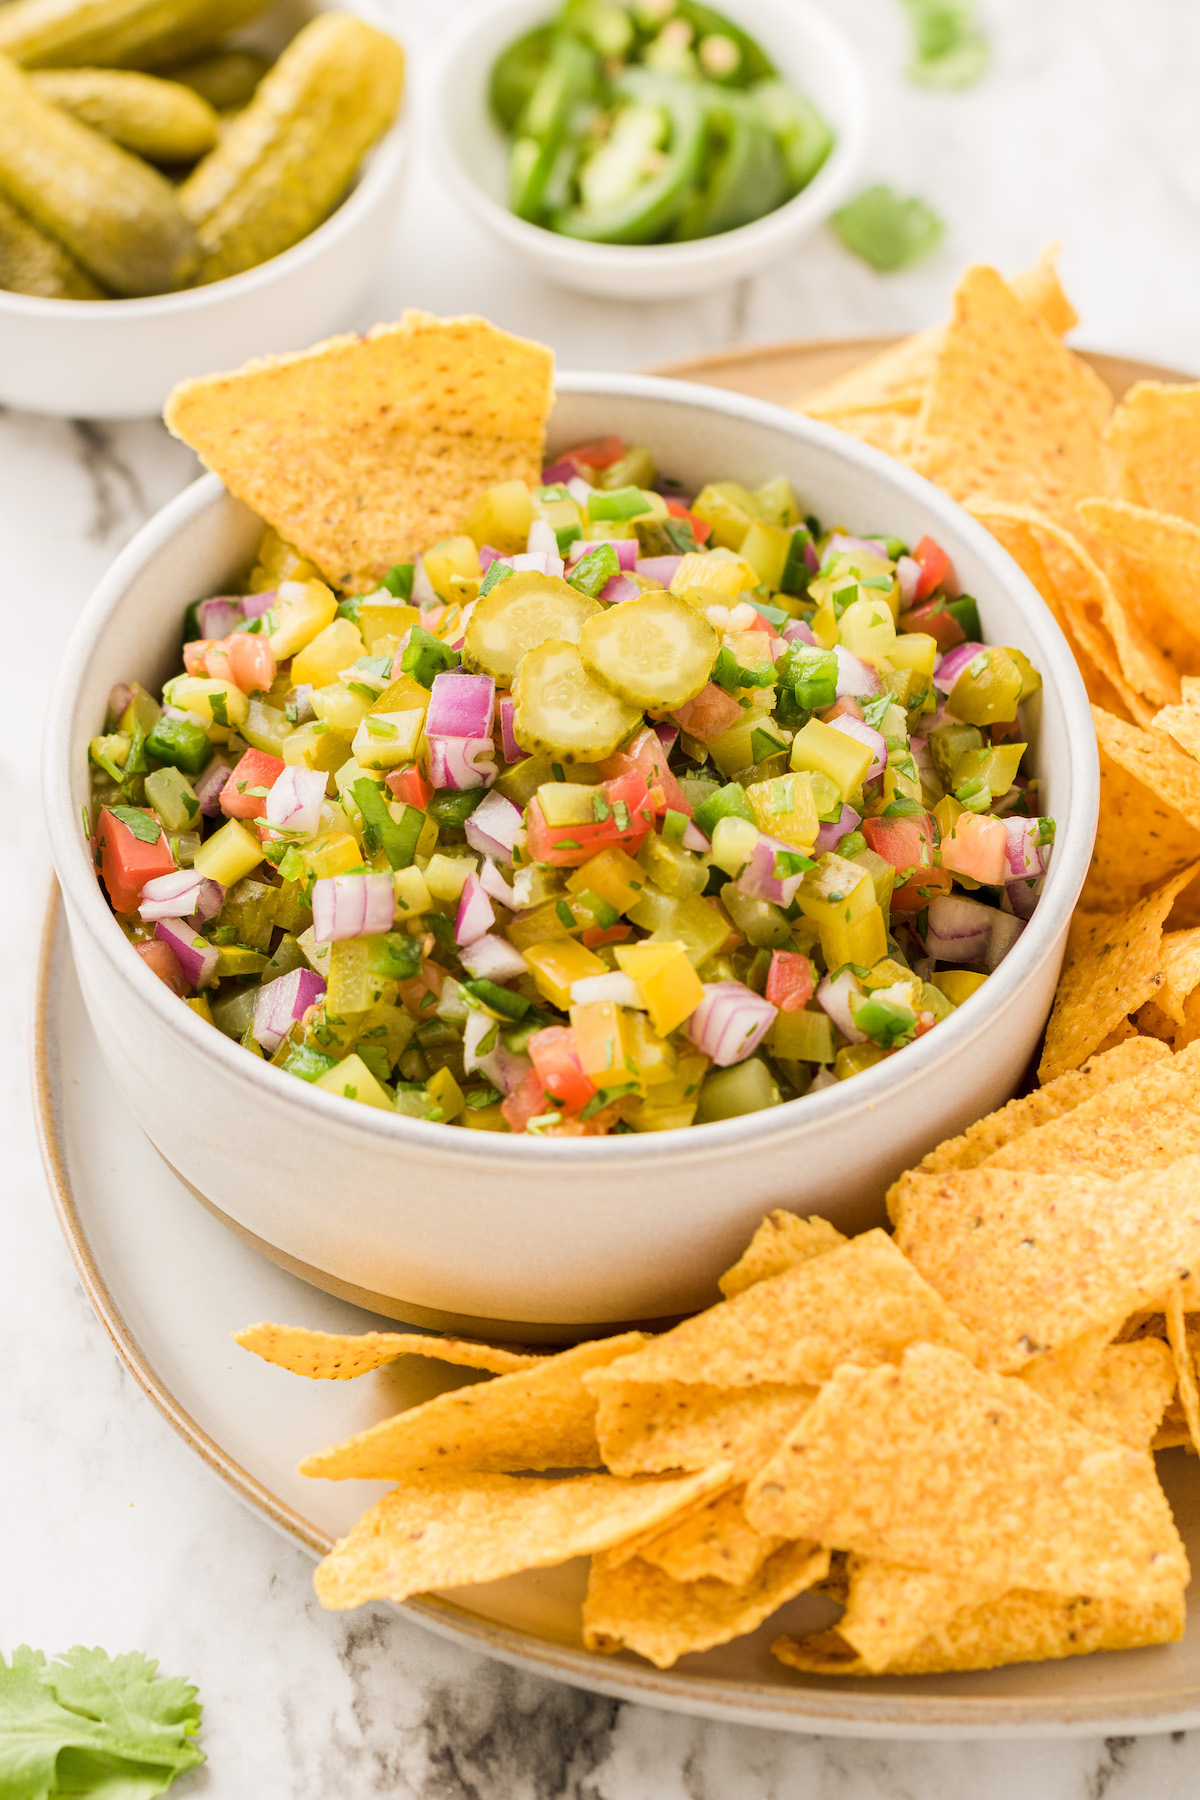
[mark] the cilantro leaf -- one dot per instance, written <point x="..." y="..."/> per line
<point x="886" y="230"/>
<point x="145" y="828"/>
<point x="950" y="50"/>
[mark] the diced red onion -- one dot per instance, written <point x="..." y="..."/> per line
<point x="841" y="545"/>
<point x="502" y="1066"/>
<point x="346" y="906"/>
<point x="854" y="677"/>
<point x="423" y="593"/>
<point x="958" y="928"/>
<point x="1026" y="857"/>
<point x="667" y="734"/>
<point x="542" y="561"/>
<point x="758" y="878"/>
<point x="181" y="894"/>
<point x="476" y="914"/>
<point x="626" y="549"/>
<point x="460" y="706"/>
<point x="580" y="490"/>
<point x="619" y="588"/>
<point x="824" y="1078"/>
<point x="492" y="828"/>
<point x="1005" y="930"/>
<point x="209" y="784"/>
<point x="295" y="799"/>
<point x="658" y="568"/>
<point x="949" y="667"/>
<point x="542" y="539"/>
<point x="255" y="605"/>
<point x="460" y="630"/>
<point x="492" y="958"/>
<point x="196" y="956"/>
<point x="512" y="750"/>
<point x="279" y="1003"/>
<point x="122" y="694"/>
<point x="922" y="756"/>
<point x="798" y="631"/>
<point x="812" y="561"/>
<point x="834" y="830"/>
<point x="495" y="885"/>
<point x="833" y="997"/>
<point x="558" y="473"/>
<point x="865" y="734"/>
<point x="217" y="617"/>
<point x="1022" y="897"/>
<point x="730" y="1022"/>
<point x="487" y="556"/>
<point x="462" y="763"/>
<point x="908" y="576"/>
<point x="694" y="839"/>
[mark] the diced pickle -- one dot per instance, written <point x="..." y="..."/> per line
<point x="560" y="708"/>
<point x="654" y="651"/>
<point x="524" y="611"/>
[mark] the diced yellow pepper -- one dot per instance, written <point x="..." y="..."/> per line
<point x="958" y="984"/>
<point x="332" y="853"/>
<point x="412" y="893"/>
<point x="861" y="941"/>
<point x="301" y="610"/>
<point x="836" y="890"/>
<point x="378" y="622"/>
<point x="485" y="1118"/>
<point x="278" y="561"/>
<point x="315" y="746"/>
<point x="653" y="1057"/>
<point x="444" y="1092"/>
<point x="868" y="629"/>
<point x="556" y="963"/>
<point x="402" y="695"/>
<point x="882" y="874"/>
<point x="947" y="812"/>
<point x="218" y="703"/>
<point x="352" y="987"/>
<point x="843" y="758"/>
<point x="229" y="854"/>
<point x="729" y="508"/>
<point x="786" y="808"/>
<point x="543" y="925"/>
<point x="387" y="740"/>
<point x="710" y="580"/>
<point x="199" y="1004"/>
<point x="613" y="875"/>
<point x="328" y="653"/>
<point x="914" y="650"/>
<point x="502" y="518"/>
<point x="600" y="1043"/>
<point x="900" y="781"/>
<point x="352" y="1079"/>
<point x="666" y="981"/>
<point x="765" y="548"/>
<point x="669" y="1105"/>
<point x="852" y="1059"/>
<point x="338" y="708"/>
<point x="453" y="556"/>
<point x="446" y="876"/>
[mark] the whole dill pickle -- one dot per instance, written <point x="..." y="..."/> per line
<point x="286" y="161"/>
<point x="32" y="263"/>
<point x="116" y="215"/>
<point x="160" y="120"/>
<point x="226" y="79"/>
<point x="133" y="34"/>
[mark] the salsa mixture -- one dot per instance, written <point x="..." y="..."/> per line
<point x="621" y="811"/>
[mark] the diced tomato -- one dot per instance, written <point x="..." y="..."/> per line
<point x="935" y="566"/>
<point x="647" y="757"/>
<point x="701" y="529"/>
<point x="162" y="960"/>
<point x="908" y="845"/>
<point x="935" y="622"/>
<point x="977" y="847"/>
<point x="630" y="815"/>
<point x="790" y="980"/>
<point x="410" y="787"/>
<point x="600" y="934"/>
<point x="758" y="623"/>
<point x="216" y="661"/>
<point x="420" y="993"/>
<point x="525" y="1102"/>
<point x="251" y="661"/>
<point x="845" y="707"/>
<point x="597" y="1126"/>
<point x="195" y="653"/>
<point x="558" y="1068"/>
<point x="925" y="1022"/>
<point x="256" y="770"/>
<point x="126" y="863"/>
<point x="601" y="453"/>
<point x="709" y="715"/>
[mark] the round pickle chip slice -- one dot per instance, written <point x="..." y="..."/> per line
<point x="525" y="610"/>
<point x="563" y="711"/>
<point x="654" y="651"/>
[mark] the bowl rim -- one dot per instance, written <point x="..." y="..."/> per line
<point x="380" y="170"/>
<point x="812" y="204"/>
<point x="886" y="1081"/>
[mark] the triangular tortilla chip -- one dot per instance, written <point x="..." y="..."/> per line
<point x="939" y="1466"/>
<point x="340" y="1356"/>
<point x="891" y="432"/>
<point x="1181" y="966"/>
<point x="715" y="1541"/>
<point x="1140" y="841"/>
<point x="1147" y="1122"/>
<point x="1129" y="1393"/>
<point x="646" y="1427"/>
<point x="443" y="1531"/>
<point x="891" y="1609"/>
<point x="1152" y="561"/>
<point x="1154" y="436"/>
<point x="781" y="1241"/>
<point x="1182" y="722"/>
<point x="1011" y="414"/>
<point x="364" y="451"/>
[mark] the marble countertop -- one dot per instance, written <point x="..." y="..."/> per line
<point x="1083" y="133"/>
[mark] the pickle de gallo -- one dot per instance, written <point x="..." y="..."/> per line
<point x="619" y="811"/>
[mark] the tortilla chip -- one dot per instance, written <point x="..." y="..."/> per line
<point x="539" y="1418"/>
<point x="1011" y="414"/>
<point x="891" y="432"/>
<point x="940" y="1466"/>
<point x="1063" y="1375"/>
<point x="1032" y="1261"/>
<point x="1154" y="436"/>
<point x="1112" y="966"/>
<point x="1063" y="1095"/>
<point x="1022" y="1626"/>
<point x="1152" y="561"/>
<point x="633" y="1605"/>
<point x="1040" y="289"/>
<point x="646" y="1427"/>
<point x="338" y="1356"/>
<point x="1181" y="967"/>
<point x="364" y="451"/>
<point x="1182" y="722"/>
<point x="862" y="1299"/>
<point x="1129" y="1393"/>
<point x="1140" y="841"/>
<point x="1185" y="1366"/>
<point x="781" y="1242"/>
<point x="1147" y="1122"/>
<point x="715" y="1541"/>
<point x="442" y="1531"/>
<point x="891" y="1609"/>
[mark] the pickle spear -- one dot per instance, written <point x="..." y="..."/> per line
<point x="160" y="120"/>
<point x="285" y="162"/>
<point x="133" y="34"/>
<point x="114" y="213"/>
<point x="32" y="263"/>
<point x="226" y="79"/>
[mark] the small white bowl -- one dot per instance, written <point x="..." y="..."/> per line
<point x="119" y="359"/>
<point x="809" y="52"/>
<point x="508" y="1236"/>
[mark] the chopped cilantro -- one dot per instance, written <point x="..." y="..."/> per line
<point x="886" y="230"/>
<point x="144" y="826"/>
<point x="426" y="656"/>
<point x="399" y="581"/>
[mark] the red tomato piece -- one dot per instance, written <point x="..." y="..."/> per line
<point x="630" y="816"/>
<point x="410" y="787"/>
<point x="908" y="845"/>
<point x="935" y="566"/>
<point x="126" y="863"/>
<point x="790" y="980"/>
<point x="251" y="661"/>
<point x="419" y="994"/>
<point x="601" y="453"/>
<point x="244" y="795"/>
<point x="195" y="653"/>
<point x="977" y="847"/>
<point x="935" y="622"/>
<point x="646" y="756"/>
<point x="526" y="1102"/>
<point x="599" y="1123"/>
<point x="599" y="934"/>
<point x="845" y="707"/>
<point x="557" y="1066"/>
<point x="709" y="715"/>
<point x="162" y="960"/>
<point x="701" y="529"/>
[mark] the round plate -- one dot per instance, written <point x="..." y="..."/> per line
<point x="171" y="1284"/>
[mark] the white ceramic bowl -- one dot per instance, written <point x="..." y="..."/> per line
<point x="807" y="49"/>
<point x="507" y="1235"/>
<point x="119" y="359"/>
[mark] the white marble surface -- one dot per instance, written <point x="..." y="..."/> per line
<point x="110" y="1532"/>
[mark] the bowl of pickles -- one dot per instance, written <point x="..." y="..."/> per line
<point x="185" y="186"/>
<point x="642" y="149"/>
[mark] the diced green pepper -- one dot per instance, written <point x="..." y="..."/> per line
<point x="181" y="743"/>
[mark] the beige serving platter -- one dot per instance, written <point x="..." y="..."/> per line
<point x="171" y="1284"/>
